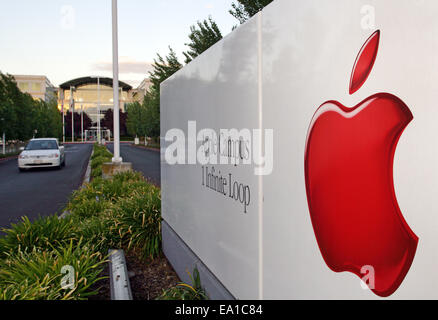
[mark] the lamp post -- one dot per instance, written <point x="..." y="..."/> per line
<point x="99" y="140"/>
<point x="98" y="108"/>
<point x="82" y="119"/>
<point x="72" y="109"/>
<point x="82" y="122"/>
<point x="63" y="116"/>
<point x="117" y="158"/>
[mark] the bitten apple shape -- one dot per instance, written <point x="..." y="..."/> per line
<point x="349" y="181"/>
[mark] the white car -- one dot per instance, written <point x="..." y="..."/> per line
<point x="42" y="153"/>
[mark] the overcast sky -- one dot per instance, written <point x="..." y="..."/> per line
<point x="69" y="39"/>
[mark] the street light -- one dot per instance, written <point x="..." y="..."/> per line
<point x="98" y="108"/>
<point x="63" y="115"/>
<point x="72" y="109"/>
<point x="117" y="158"/>
<point x="82" y="118"/>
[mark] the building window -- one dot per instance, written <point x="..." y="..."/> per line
<point x="36" y="87"/>
<point x="24" y="86"/>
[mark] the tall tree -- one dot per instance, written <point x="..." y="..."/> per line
<point x="108" y="121"/>
<point x="150" y="113"/>
<point x="202" y="36"/>
<point x="242" y="10"/>
<point x="163" y="68"/>
<point x="23" y="115"/>
<point x="134" y="119"/>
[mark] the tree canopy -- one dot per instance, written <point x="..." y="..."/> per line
<point x="202" y="36"/>
<point x="143" y="119"/>
<point x="242" y="10"/>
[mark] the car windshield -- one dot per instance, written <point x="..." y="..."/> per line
<point x="42" y="145"/>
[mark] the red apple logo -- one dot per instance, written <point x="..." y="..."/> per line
<point x="349" y="181"/>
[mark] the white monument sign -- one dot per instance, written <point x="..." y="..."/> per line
<point x="299" y="157"/>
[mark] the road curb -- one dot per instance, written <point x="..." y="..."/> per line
<point x="88" y="171"/>
<point x="146" y="148"/>
<point x="85" y="181"/>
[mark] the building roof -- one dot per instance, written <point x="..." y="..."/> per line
<point x="33" y="77"/>
<point x="93" y="80"/>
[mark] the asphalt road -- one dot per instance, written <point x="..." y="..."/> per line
<point x="143" y="160"/>
<point x="40" y="192"/>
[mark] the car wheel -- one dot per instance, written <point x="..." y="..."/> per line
<point x="21" y="170"/>
<point x="63" y="163"/>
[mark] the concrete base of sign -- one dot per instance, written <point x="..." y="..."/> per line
<point x="110" y="169"/>
<point x="184" y="260"/>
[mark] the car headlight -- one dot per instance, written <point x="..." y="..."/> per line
<point x="23" y="157"/>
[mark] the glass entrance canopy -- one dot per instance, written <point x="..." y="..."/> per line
<point x="87" y="94"/>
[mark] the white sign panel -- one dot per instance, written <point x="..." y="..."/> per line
<point x="341" y="95"/>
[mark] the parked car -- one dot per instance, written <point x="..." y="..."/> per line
<point x="42" y="153"/>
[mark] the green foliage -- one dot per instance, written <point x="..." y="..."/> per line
<point x="242" y="10"/>
<point x="135" y="119"/>
<point x="125" y="211"/>
<point x="88" y="207"/>
<point x="164" y="68"/>
<point x="122" y="212"/>
<point x="202" y="36"/>
<point x="184" y="291"/>
<point x="36" y="274"/>
<point x="96" y="173"/>
<point x="98" y="230"/>
<point x="99" y="161"/>
<point x="152" y="113"/>
<point x="44" y="233"/>
<point x="100" y="156"/>
<point x="138" y="221"/>
<point x="100" y="151"/>
<point x="143" y="120"/>
<point x="22" y="114"/>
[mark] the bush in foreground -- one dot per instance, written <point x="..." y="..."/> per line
<point x="36" y="274"/>
<point x="184" y="291"/>
<point x="44" y="233"/>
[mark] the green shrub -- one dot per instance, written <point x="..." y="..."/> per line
<point x="38" y="290"/>
<point x="100" y="151"/>
<point x="100" y="156"/>
<point x="137" y="220"/>
<point x="89" y="207"/>
<point x="96" y="173"/>
<point x="99" y="161"/>
<point x="43" y="233"/>
<point x="130" y="176"/>
<point x="124" y="211"/>
<point x="36" y="274"/>
<point x="184" y="291"/>
<point x="120" y="186"/>
<point x="100" y="231"/>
